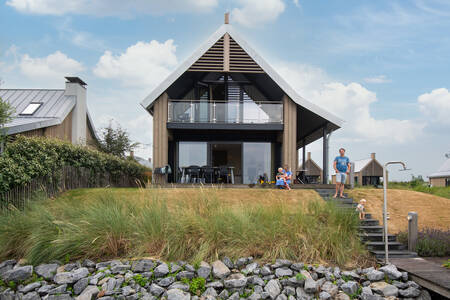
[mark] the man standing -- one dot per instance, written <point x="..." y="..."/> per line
<point x="342" y="167"/>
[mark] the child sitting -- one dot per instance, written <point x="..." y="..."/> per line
<point x="360" y="209"/>
<point x="281" y="182"/>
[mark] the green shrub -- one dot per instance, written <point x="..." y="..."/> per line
<point x="202" y="228"/>
<point x="31" y="157"/>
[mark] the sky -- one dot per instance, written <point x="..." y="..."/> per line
<point x="382" y="66"/>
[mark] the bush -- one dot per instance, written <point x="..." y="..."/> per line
<point x="30" y="157"/>
<point x="430" y="242"/>
<point x="200" y="228"/>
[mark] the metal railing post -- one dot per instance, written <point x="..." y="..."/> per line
<point x="413" y="218"/>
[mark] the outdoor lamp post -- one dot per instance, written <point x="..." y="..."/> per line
<point x="386" y="241"/>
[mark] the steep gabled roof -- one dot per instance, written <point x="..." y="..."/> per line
<point x="443" y="171"/>
<point x="361" y="164"/>
<point x="147" y="103"/>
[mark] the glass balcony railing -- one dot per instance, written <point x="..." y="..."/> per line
<point x="231" y="112"/>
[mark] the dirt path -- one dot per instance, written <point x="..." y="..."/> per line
<point x="434" y="211"/>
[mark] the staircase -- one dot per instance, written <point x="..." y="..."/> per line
<point x="371" y="233"/>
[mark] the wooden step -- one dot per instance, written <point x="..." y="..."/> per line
<point x="371" y="228"/>
<point x="376" y="237"/>
<point x="379" y="254"/>
<point x="372" y="246"/>
<point x="367" y="222"/>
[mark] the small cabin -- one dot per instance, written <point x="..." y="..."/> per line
<point x="442" y="176"/>
<point x="311" y="169"/>
<point x="366" y="172"/>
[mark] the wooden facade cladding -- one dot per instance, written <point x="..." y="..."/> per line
<point x="289" y="139"/>
<point x="160" y="136"/>
<point x="439" y="181"/>
<point x="62" y="131"/>
<point x="226" y="56"/>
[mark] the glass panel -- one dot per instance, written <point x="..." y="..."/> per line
<point x="256" y="162"/>
<point x="31" y="108"/>
<point x="192" y="154"/>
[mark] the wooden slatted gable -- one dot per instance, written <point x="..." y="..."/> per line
<point x="240" y="61"/>
<point x="212" y="60"/>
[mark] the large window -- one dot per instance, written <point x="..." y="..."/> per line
<point x="192" y="154"/>
<point x="256" y="162"/>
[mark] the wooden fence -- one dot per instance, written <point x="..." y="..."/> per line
<point x="67" y="178"/>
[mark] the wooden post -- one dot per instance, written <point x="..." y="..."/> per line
<point x="412" y="230"/>
<point x="325" y="155"/>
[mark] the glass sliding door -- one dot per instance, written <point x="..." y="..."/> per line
<point x="257" y="161"/>
<point x="192" y="154"/>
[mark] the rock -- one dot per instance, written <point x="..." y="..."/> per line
<point x="79" y="273"/>
<point x="64" y="277"/>
<point x="45" y="288"/>
<point x="306" y="274"/>
<point x="236" y="280"/>
<point x="189" y="268"/>
<point x="289" y="290"/>
<point x="88" y="263"/>
<point x="302" y="295"/>
<point x="215" y="284"/>
<point x="59" y="297"/>
<point x="240" y="262"/>
<point x="181" y="286"/>
<point x="174" y="268"/>
<point x="120" y="269"/>
<point x="330" y="288"/>
<point x="18" y="274"/>
<point x="58" y="290"/>
<point x="31" y="296"/>
<point x="273" y="288"/>
<point x="310" y="286"/>
<point x="220" y="270"/>
<point x="255" y="280"/>
<point x="324" y="296"/>
<point x="350" y="287"/>
<point x="297" y="267"/>
<point x="265" y="270"/>
<point x="156" y="290"/>
<point x="30" y="287"/>
<point x="89" y="292"/>
<point x="128" y="290"/>
<point x="375" y="275"/>
<point x="367" y="270"/>
<point x="7" y="265"/>
<point x="70" y="267"/>
<point x="413" y="284"/>
<point x="281" y="297"/>
<point x="142" y="265"/>
<point x="80" y="285"/>
<point x="373" y="297"/>
<point x="410" y="292"/>
<point x="223" y="295"/>
<point x="255" y="296"/>
<point x="351" y="274"/>
<point x="279" y="263"/>
<point x="177" y="294"/>
<point x="210" y="292"/>
<point x="228" y="262"/>
<point x="47" y="271"/>
<point x="296" y="282"/>
<point x="250" y="268"/>
<point x="391" y="272"/>
<point x="424" y="295"/>
<point x="165" y="282"/>
<point x="185" y="274"/>
<point x="384" y="289"/>
<point x="366" y="290"/>
<point x="234" y="296"/>
<point x="281" y="272"/>
<point x="342" y="296"/>
<point x="161" y="270"/>
<point x="400" y="285"/>
<point x="204" y="270"/>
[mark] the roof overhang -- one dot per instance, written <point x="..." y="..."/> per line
<point x="332" y="122"/>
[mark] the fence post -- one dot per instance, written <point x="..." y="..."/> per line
<point x="412" y="230"/>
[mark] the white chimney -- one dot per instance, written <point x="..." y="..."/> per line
<point x="77" y="87"/>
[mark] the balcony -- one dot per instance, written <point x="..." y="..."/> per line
<point x="225" y="112"/>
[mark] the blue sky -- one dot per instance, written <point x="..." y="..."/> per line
<point x="383" y="66"/>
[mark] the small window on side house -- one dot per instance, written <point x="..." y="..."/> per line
<point x="31" y="109"/>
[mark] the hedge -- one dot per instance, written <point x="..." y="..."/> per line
<point x="31" y="157"/>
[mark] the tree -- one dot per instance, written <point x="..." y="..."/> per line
<point x="6" y="115"/>
<point x="115" y="141"/>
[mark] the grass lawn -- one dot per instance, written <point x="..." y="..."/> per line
<point x="438" y="191"/>
<point x="434" y="211"/>
<point x="189" y="224"/>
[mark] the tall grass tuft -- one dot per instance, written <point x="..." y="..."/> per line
<point x="189" y="228"/>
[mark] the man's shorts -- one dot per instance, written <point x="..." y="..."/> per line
<point x="341" y="177"/>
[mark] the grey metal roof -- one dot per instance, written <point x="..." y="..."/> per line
<point x="226" y="28"/>
<point x="54" y="109"/>
<point x="443" y="171"/>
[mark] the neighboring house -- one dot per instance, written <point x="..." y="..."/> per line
<point x="442" y="176"/>
<point x="366" y="172"/>
<point x="54" y="113"/>
<point x="227" y="110"/>
<point x="312" y="170"/>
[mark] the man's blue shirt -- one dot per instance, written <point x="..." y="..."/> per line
<point x="342" y="163"/>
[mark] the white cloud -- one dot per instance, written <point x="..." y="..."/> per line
<point x="436" y="105"/>
<point x="296" y="2"/>
<point x="142" y="64"/>
<point x="110" y="7"/>
<point x="51" y="67"/>
<point x="256" y="12"/>
<point x="377" y="79"/>
<point x="352" y="103"/>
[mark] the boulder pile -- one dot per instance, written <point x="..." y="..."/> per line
<point x="222" y="279"/>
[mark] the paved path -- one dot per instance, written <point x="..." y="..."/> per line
<point x="426" y="273"/>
